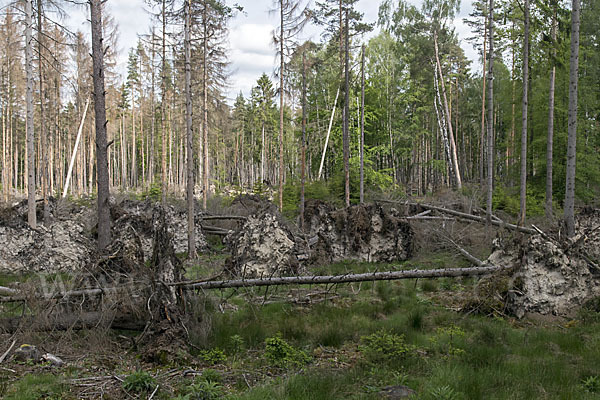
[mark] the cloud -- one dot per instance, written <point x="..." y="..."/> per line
<point x="252" y="38"/>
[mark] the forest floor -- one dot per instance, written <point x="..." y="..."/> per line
<point x="352" y="341"/>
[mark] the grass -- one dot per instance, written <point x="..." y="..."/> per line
<point x="441" y="354"/>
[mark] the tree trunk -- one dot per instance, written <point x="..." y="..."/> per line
<point x="31" y="207"/>
<point x="43" y="133"/>
<point x="281" y="71"/>
<point x="482" y="136"/>
<point x="303" y="149"/>
<point x="101" y="143"/>
<point x="362" y="125"/>
<point x="550" y="144"/>
<point x="453" y="152"/>
<point x="346" y="138"/>
<point x="572" y="121"/>
<point x="523" y="186"/>
<point x="490" y="122"/>
<point x="189" y="135"/>
<point x="163" y="107"/>
<point x="205" y="111"/>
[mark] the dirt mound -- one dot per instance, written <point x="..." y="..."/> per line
<point x="264" y="246"/>
<point x="365" y="232"/>
<point x="552" y="276"/>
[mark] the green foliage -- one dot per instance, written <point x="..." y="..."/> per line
<point x="446" y="340"/>
<point x="35" y="387"/>
<point x="591" y="384"/>
<point x="154" y="192"/>
<point x="281" y="354"/>
<point x="139" y="382"/>
<point x="507" y="200"/>
<point x="443" y="393"/>
<point x="383" y="346"/>
<point x="213" y="356"/>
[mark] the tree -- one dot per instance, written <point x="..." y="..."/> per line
<point x="100" y="114"/>
<point x="572" y="120"/>
<point x="189" y="134"/>
<point x="31" y="205"/>
<point x="346" y="116"/>
<point x="292" y="19"/>
<point x="490" y="121"/>
<point x="523" y="186"/>
<point x="550" y="141"/>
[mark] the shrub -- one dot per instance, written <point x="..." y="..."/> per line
<point x="213" y="356"/>
<point x="139" y="382"/>
<point x="383" y="346"/>
<point x="282" y="354"/>
<point x="592" y="384"/>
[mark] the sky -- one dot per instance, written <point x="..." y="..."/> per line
<point x="251" y="51"/>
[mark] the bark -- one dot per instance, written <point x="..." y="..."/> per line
<point x="346" y="138"/>
<point x="481" y="140"/>
<point x="362" y="125"/>
<point x="163" y="107"/>
<point x="100" y="109"/>
<point x="281" y="71"/>
<point x="453" y="152"/>
<point x="303" y="150"/>
<point x="490" y="122"/>
<point x="31" y="206"/>
<point x="205" y="110"/>
<point x="189" y="136"/>
<point x="572" y="121"/>
<point x="75" y="147"/>
<point x="43" y="132"/>
<point x="524" y="108"/>
<point x="550" y="144"/>
<point x="337" y="93"/>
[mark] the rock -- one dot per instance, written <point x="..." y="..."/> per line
<point x="363" y="232"/>
<point x="27" y="352"/>
<point x="397" y="392"/>
<point x="264" y="246"/>
<point x="53" y="360"/>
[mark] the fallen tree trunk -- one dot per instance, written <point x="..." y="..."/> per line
<point x="223" y="217"/>
<point x="328" y="279"/>
<point x="471" y="217"/>
<point x="482" y="269"/>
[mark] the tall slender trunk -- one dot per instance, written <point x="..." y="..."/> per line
<point x="524" y="108"/>
<point x="163" y="106"/>
<point x="281" y="72"/>
<point x="572" y="121"/>
<point x="550" y="144"/>
<point x="448" y="117"/>
<point x="490" y="121"/>
<point x="100" y="108"/>
<point x="362" y="125"/>
<point x="346" y="138"/>
<point x="31" y="207"/>
<point x="43" y="133"/>
<point x="205" y="109"/>
<point x="483" y="98"/>
<point x="189" y="135"/>
<point x="303" y="149"/>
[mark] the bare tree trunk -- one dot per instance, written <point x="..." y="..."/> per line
<point x="303" y="150"/>
<point x="74" y="153"/>
<point x="43" y="133"/>
<point x="362" y="126"/>
<point x="490" y="122"/>
<point x="453" y="152"/>
<point x="572" y="121"/>
<point x="100" y="108"/>
<point x="189" y="135"/>
<point x="337" y="93"/>
<point x="163" y="106"/>
<point x="524" y="108"/>
<point x="346" y="138"/>
<point x="550" y="144"/>
<point x="482" y="137"/>
<point x="31" y="207"/>
<point x="281" y="92"/>
<point x="205" y="111"/>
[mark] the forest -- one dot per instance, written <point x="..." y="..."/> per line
<point x="379" y="217"/>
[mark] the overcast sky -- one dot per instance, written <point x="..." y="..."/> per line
<point x="251" y="51"/>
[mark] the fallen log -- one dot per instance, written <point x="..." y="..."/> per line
<point x="223" y="217"/>
<point x="481" y="269"/>
<point x="474" y="217"/>
<point x="329" y="279"/>
<point x="4" y="291"/>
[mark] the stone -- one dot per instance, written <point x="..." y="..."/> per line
<point x="27" y="352"/>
